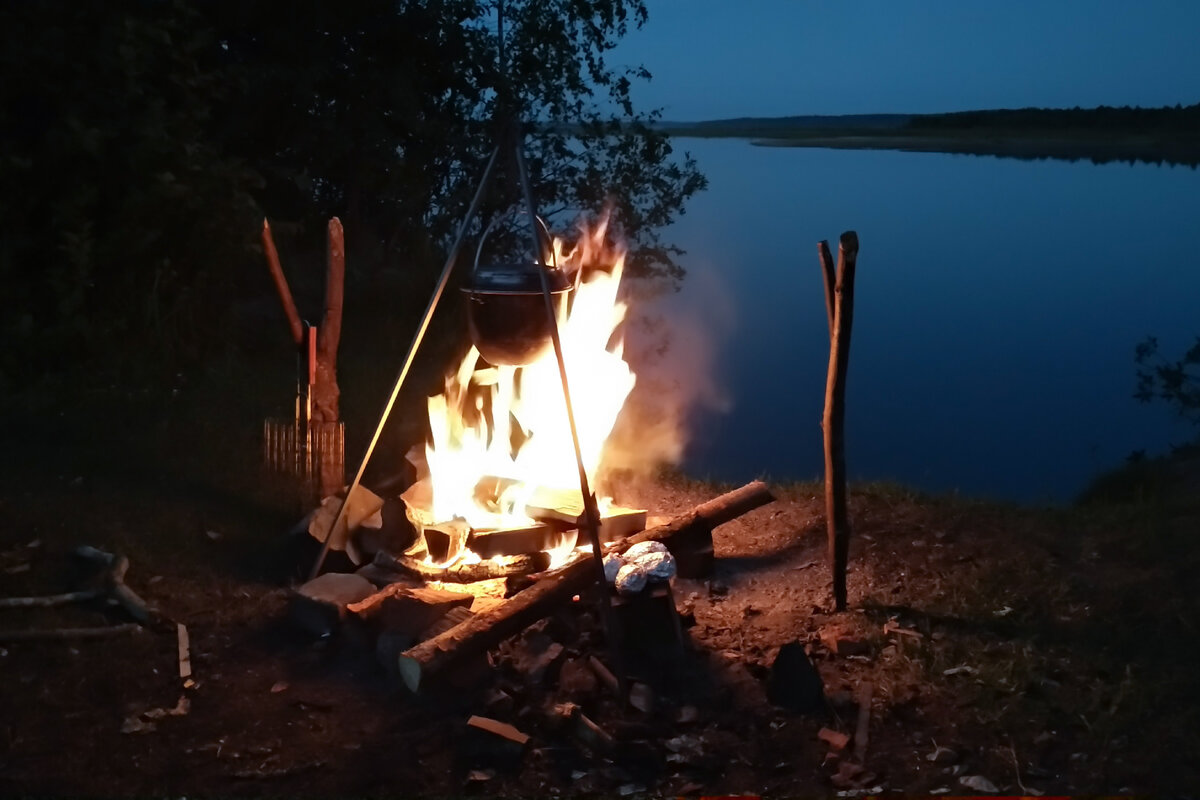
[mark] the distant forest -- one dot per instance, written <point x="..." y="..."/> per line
<point x="1169" y="135"/>
<point x="1169" y="120"/>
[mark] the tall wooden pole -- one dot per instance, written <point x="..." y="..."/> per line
<point x="840" y="306"/>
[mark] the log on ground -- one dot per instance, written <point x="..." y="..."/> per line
<point x="485" y="630"/>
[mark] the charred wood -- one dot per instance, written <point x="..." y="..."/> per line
<point x="466" y="573"/>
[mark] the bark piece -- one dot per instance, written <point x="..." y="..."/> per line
<point x="836" y="740"/>
<point x="363" y="506"/>
<point x="499" y="729"/>
<point x="183" y="645"/>
<point x="485" y="630"/>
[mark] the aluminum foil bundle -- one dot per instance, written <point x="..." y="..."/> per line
<point x="642" y="548"/>
<point x="612" y="565"/>
<point x="659" y="566"/>
<point x="631" y="579"/>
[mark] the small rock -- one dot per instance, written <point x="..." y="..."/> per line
<point x="279" y="686"/>
<point x="576" y="678"/>
<point x="978" y="783"/>
<point x="687" y="714"/>
<point x="641" y="697"/>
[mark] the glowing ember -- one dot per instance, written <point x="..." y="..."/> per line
<point x="500" y="433"/>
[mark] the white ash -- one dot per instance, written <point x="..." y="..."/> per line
<point x="631" y="579"/>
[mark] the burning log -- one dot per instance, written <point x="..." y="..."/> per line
<point x="466" y="573"/>
<point x="485" y="630"/>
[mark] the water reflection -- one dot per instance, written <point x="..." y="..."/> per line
<point x="997" y="306"/>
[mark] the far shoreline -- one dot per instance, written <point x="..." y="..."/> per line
<point x="1168" y="135"/>
<point x="1030" y="148"/>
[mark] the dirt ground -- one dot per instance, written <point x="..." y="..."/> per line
<point x="1007" y="650"/>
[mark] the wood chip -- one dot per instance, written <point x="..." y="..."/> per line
<point x="185" y="653"/>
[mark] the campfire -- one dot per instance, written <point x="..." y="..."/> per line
<point x="497" y="478"/>
<point x="495" y="515"/>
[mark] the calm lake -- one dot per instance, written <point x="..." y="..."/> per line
<point x="998" y="303"/>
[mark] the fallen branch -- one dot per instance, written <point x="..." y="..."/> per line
<point x="48" y="601"/>
<point x="114" y="582"/>
<point x="68" y="633"/>
<point x="466" y="573"/>
<point x="487" y="629"/>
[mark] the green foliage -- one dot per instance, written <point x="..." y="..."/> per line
<point x="142" y="141"/>
<point x="1176" y="382"/>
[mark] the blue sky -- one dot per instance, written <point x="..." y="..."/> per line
<point x="716" y="58"/>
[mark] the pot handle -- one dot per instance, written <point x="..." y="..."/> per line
<point x="541" y="223"/>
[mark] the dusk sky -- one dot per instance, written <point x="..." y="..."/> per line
<point x="714" y="59"/>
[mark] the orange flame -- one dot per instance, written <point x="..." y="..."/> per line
<point x="500" y="433"/>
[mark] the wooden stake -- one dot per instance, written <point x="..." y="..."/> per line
<point x="295" y="326"/>
<point x="829" y="276"/>
<point x="833" y="421"/>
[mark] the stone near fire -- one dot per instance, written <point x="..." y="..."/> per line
<point x="319" y="606"/>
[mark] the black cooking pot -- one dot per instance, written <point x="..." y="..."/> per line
<point x="506" y="310"/>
